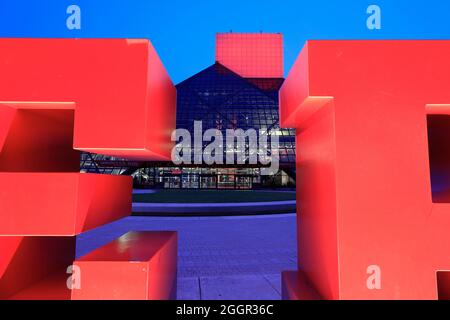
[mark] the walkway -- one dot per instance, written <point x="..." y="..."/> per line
<point x="236" y="257"/>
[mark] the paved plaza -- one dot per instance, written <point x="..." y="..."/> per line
<point x="236" y="257"/>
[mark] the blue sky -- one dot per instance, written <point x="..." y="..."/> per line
<point x="183" y="31"/>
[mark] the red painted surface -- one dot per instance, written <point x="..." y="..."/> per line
<point x="136" y="266"/>
<point x="37" y="137"/>
<point x="124" y="99"/>
<point x="363" y="165"/>
<point x="443" y="278"/>
<point x="105" y="96"/>
<point x="61" y="203"/>
<point x="295" y="286"/>
<point x="51" y="287"/>
<point x="251" y="55"/>
<point x="27" y="261"/>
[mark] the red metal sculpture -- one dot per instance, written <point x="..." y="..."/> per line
<point x="373" y="203"/>
<point x="106" y="96"/>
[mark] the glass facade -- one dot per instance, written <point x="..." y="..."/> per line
<point x="222" y="100"/>
<point x="97" y="163"/>
<point x="197" y="178"/>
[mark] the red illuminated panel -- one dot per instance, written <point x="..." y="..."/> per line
<point x="27" y="261"/>
<point x="61" y="203"/>
<point x="124" y="100"/>
<point x="251" y="55"/>
<point x="372" y="167"/>
<point x="37" y="137"/>
<point x="136" y="266"/>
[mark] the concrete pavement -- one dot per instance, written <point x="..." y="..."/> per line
<point x="236" y="257"/>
